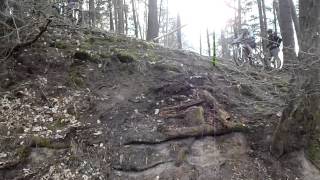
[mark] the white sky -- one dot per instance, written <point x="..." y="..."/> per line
<point x="200" y="15"/>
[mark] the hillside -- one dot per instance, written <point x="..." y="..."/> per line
<point x="82" y="104"/>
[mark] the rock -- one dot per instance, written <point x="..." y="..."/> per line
<point x="81" y="55"/>
<point x="195" y="115"/>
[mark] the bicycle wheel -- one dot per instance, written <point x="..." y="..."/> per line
<point x="276" y="62"/>
<point x="238" y="55"/>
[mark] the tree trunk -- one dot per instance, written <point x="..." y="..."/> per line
<point x="286" y="28"/>
<point x="179" y="38"/>
<point x="115" y="8"/>
<point x="208" y="41"/>
<point x="299" y="127"/>
<point x="200" y="45"/>
<point x="125" y="11"/>
<point x="263" y="28"/>
<point x="295" y="20"/>
<point x="120" y="12"/>
<point x="264" y="16"/>
<point x="110" y="16"/>
<point x="92" y="13"/>
<point x="274" y="10"/>
<point x="134" y="19"/>
<point x="153" y="26"/>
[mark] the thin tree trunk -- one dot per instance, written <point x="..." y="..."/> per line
<point x="286" y="28"/>
<point x="115" y="8"/>
<point x="92" y="13"/>
<point x="263" y="29"/>
<point x="120" y="17"/>
<point x="160" y="12"/>
<point x="125" y="11"/>
<point x="179" y="38"/>
<point x="295" y="20"/>
<point x="134" y="19"/>
<point x="110" y="16"/>
<point x="153" y="26"/>
<point x="200" y="45"/>
<point x="274" y="10"/>
<point x="208" y="41"/>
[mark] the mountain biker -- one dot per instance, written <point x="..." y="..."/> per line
<point x="274" y="43"/>
<point x="247" y="40"/>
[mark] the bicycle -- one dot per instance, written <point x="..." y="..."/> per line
<point x="242" y="55"/>
<point x="257" y="59"/>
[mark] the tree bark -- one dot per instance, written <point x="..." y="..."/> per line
<point x="286" y="28"/>
<point x="179" y="38"/>
<point x="134" y="16"/>
<point x="208" y="41"/>
<point x="274" y="10"/>
<point x="120" y="17"/>
<point x="153" y="26"/>
<point x="263" y="28"/>
<point x="115" y="9"/>
<point x="299" y="127"/>
<point x="295" y="20"/>
<point x="110" y="16"/>
<point x="125" y="11"/>
<point x="200" y="45"/>
<point x="92" y="13"/>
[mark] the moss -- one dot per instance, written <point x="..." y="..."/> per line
<point x="58" y="124"/>
<point x="23" y="152"/>
<point x="60" y="45"/>
<point x="41" y="142"/>
<point x="37" y="141"/>
<point x="75" y="78"/>
<point x="181" y="156"/>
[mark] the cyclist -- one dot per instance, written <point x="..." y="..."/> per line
<point x="274" y="43"/>
<point x="247" y="40"/>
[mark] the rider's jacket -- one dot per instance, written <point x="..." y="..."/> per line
<point x="274" y="41"/>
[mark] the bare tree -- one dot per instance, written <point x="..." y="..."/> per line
<point x="263" y="28"/>
<point x="275" y="10"/>
<point x="208" y="41"/>
<point x="179" y="38"/>
<point x="286" y="28"/>
<point x="120" y="13"/>
<point x="92" y="13"/>
<point x="299" y="127"/>
<point x="134" y="16"/>
<point x="110" y="15"/>
<point x="295" y="19"/>
<point x="200" y="45"/>
<point x="153" y="26"/>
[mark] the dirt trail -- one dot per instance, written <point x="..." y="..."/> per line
<point x="93" y="106"/>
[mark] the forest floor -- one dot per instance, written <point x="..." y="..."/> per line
<point x="90" y="105"/>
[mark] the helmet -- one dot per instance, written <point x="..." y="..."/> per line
<point x="269" y="31"/>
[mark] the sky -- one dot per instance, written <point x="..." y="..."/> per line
<point x="199" y="15"/>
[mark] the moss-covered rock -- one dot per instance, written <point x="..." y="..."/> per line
<point x="195" y="115"/>
<point x="23" y="152"/>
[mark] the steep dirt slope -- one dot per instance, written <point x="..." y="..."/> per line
<point x="89" y="105"/>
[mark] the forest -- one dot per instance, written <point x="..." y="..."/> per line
<point x="160" y="89"/>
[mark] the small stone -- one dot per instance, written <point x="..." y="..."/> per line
<point x="98" y="121"/>
<point x="3" y="155"/>
<point x="97" y="133"/>
<point x="156" y="111"/>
